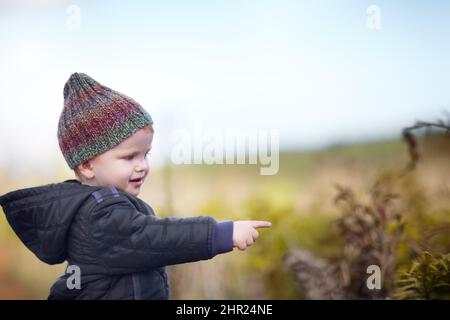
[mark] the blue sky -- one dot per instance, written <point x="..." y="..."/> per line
<point x="311" y="69"/>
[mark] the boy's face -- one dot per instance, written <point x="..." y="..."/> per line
<point x="122" y="164"/>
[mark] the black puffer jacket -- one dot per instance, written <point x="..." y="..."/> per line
<point x="115" y="239"/>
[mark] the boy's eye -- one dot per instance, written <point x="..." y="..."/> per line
<point x="130" y="157"/>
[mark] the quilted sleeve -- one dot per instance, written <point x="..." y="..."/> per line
<point x="127" y="240"/>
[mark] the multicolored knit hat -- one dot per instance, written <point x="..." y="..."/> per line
<point x="95" y="119"/>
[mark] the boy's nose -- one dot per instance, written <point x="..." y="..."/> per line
<point x="142" y="166"/>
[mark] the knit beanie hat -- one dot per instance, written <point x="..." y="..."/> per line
<point x="95" y="119"/>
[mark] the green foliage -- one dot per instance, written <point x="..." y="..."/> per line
<point x="428" y="278"/>
<point x="260" y="271"/>
<point x="289" y="229"/>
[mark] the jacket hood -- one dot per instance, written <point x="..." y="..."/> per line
<point x="41" y="216"/>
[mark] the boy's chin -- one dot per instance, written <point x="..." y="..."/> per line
<point x="133" y="192"/>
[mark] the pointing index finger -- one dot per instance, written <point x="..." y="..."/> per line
<point x="261" y="224"/>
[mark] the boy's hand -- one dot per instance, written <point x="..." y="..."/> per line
<point x="245" y="233"/>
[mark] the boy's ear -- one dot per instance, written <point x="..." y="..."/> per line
<point x="85" y="170"/>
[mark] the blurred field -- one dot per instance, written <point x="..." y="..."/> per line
<point x="298" y="200"/>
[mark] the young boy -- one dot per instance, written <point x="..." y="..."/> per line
<point x="110" y="238"/>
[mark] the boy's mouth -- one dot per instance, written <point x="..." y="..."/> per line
<point x="137" y="182"/>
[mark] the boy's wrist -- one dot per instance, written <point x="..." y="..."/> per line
<point x="223" y="237"/>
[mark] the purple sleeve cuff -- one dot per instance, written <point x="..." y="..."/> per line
<point x="223" y="237"/>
